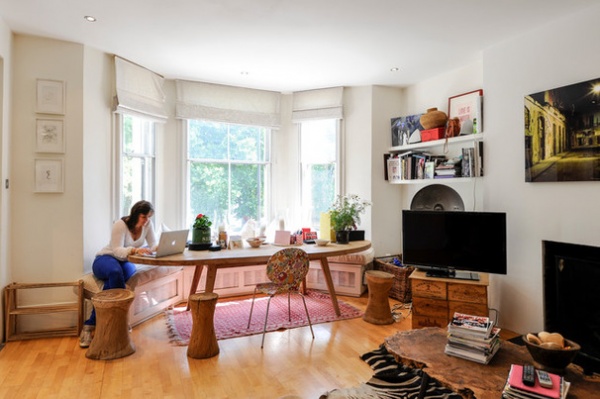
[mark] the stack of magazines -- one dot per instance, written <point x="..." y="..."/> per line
<point x="516" y="389"/>
<point x="473" y="338"/>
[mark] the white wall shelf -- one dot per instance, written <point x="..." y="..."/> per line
<point x="437" y="181"/>
<point x="437" y="143"/>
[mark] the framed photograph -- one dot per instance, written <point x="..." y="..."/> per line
<point x="403" y="129"/>
<point x="50" y="97"/>
<point x="49" y="135"/>
<point x="467" y="108"/>
<point x="561" y="133"/>
<point x="49" y="176"/>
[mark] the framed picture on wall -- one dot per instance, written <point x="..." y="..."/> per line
<point x="467" y="107"/>
<point x="49" y="175"/>
<point x="50" y="97"/>
<point x="49" y="136"/>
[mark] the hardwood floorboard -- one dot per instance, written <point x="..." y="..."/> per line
<point x="291" y="364"/>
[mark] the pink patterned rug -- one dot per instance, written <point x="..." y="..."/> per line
<point x="231" y="316"/>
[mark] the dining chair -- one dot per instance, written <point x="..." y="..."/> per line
<point x="286" y="270"/>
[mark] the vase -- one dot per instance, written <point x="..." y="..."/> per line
<point x="433" y="118"/>
<point x="201" y="236"/>
<point x="342" y="236"/>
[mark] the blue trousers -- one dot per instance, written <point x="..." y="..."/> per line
<point x="114" y="273"/>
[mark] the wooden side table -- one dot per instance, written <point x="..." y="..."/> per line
<point x="203" y="341"/>
<point x="111" y="339"/>
<point x="378" y="307"/>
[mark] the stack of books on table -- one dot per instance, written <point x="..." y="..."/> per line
<point x="516" y="389"/>
<point x="473" y="338"/>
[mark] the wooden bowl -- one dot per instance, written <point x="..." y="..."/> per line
<point x="550" y="359"/>
<point x="255" y="242"/>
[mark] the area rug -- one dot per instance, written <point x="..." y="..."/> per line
<point x="231" y="317"/>
<point x="390" y="381"/>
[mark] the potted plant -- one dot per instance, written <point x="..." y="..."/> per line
<point x="201" y="230"/>
<point x="345" y="214"/>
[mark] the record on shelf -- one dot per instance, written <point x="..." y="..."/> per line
<point x="437" y="197"/>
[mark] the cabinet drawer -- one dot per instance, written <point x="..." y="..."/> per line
<point x="429" y="289"/>
<point x="467" y="293"/>
<point x="436" y="308"/>
<point x="475" y="309"/>
<point x="428" y="321"/>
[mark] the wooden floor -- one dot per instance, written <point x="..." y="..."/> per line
<point x="290" y="365"/>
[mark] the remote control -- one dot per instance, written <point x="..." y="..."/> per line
<point x="528" y="375"/>
<point x="544" y="378"/>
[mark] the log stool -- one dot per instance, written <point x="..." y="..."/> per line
<point x="203" y="341"/>
<point x="378" y="307"/>
<point x="111" y="339"/>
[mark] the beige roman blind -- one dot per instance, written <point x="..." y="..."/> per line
<point x="228" y="104"/>
<point x="139" y="91"/>
<point x="318" y="104"/>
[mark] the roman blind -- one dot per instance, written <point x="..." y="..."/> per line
<point x="228" y="104"/>
<point x="139" y="91"/>
<point x="318" y="104"/>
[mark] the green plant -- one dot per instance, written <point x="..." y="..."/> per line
<point x="202" y="222"/>
<point x="345" y="212"/>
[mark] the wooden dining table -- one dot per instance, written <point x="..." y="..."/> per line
<point x="212" y="261"/>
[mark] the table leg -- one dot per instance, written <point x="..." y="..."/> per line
<point x="195" y="282"/>
<point x="424" y="383"/>
<point x="211" y="277"/>
<point x="330" y="287"/>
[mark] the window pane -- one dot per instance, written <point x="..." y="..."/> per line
<point x="137" y="162"/>
<point x="207" y="140"/>
<point x="319" y="141"/>
<point x="228" y="175"/>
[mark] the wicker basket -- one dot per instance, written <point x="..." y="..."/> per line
<point x="401" y="289"/>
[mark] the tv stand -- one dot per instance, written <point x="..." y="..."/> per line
<point x="457" y="274"/>
<point x="435" y="299"/>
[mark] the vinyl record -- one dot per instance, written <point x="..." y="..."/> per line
<point x="437" y="197"/>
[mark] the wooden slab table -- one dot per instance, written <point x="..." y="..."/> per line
<point x="214" y="261"/>
<point x="424" y="349"/>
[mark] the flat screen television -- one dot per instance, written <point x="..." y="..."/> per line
<point x="454" y="244"/>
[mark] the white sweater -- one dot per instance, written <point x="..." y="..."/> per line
<point x="122" y="243"/>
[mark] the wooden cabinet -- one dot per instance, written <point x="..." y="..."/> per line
<point x="436" y="299"/>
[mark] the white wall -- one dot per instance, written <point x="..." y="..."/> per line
<point x="564" y="52"/>
<point x="5" y="118"/>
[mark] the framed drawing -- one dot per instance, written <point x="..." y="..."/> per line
<point x="50" y="97"/>
<point x="49" y="135"/>
<point x="49" y="176"/>
<point x="467" y="107"/>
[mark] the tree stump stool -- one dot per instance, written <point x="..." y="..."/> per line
<point x="378" y="306"/>
<point x="111" y="338"/>
<point x="203" y="341"/>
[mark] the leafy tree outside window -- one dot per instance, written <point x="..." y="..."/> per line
<point x="228" y="172"/>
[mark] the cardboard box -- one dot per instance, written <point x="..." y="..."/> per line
<point x="432" y="134"/>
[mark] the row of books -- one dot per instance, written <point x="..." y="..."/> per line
<point x="516" y="389"/>
<point x="473" y="338"/>
<point x="415" y="165"/>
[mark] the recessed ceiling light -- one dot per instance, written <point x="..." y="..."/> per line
<point x="89" y="18"/>
<point x="394" y="69"/>
<point x="244" y="73"/>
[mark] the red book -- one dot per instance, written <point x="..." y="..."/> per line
<point x="515" y="381"/>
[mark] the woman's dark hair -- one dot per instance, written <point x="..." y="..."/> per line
<point x="139" y="208"/>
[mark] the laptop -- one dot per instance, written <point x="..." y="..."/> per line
<point x="170" y="243"/>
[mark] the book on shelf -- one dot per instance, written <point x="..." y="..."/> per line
<point x="515" y="389"/>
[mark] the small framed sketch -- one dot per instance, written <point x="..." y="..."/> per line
<point x="467" y="108"/>
<point x="49" y="136"/>
<point x="50" y="97"/>
<point x="49" y="177"/>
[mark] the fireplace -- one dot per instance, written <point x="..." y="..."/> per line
<point x="572" y="298"/>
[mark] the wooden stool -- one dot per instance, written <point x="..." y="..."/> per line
<point x="378" y="307"/>
<point x="203" y="341"/>
<point x="111" y="339"/>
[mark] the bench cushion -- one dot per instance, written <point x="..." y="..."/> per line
<point x="360" y="258"/>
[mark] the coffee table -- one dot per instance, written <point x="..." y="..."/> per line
<point x="424" y="349"/>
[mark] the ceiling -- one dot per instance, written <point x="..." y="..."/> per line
<point x="287" y="45"/>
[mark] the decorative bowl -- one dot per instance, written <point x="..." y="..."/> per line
<point x="321" y="243"/>
<point x="553" y="359"/>
<point x="255" y="242"/>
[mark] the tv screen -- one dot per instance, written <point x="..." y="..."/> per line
<point x="447" y="243"/>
